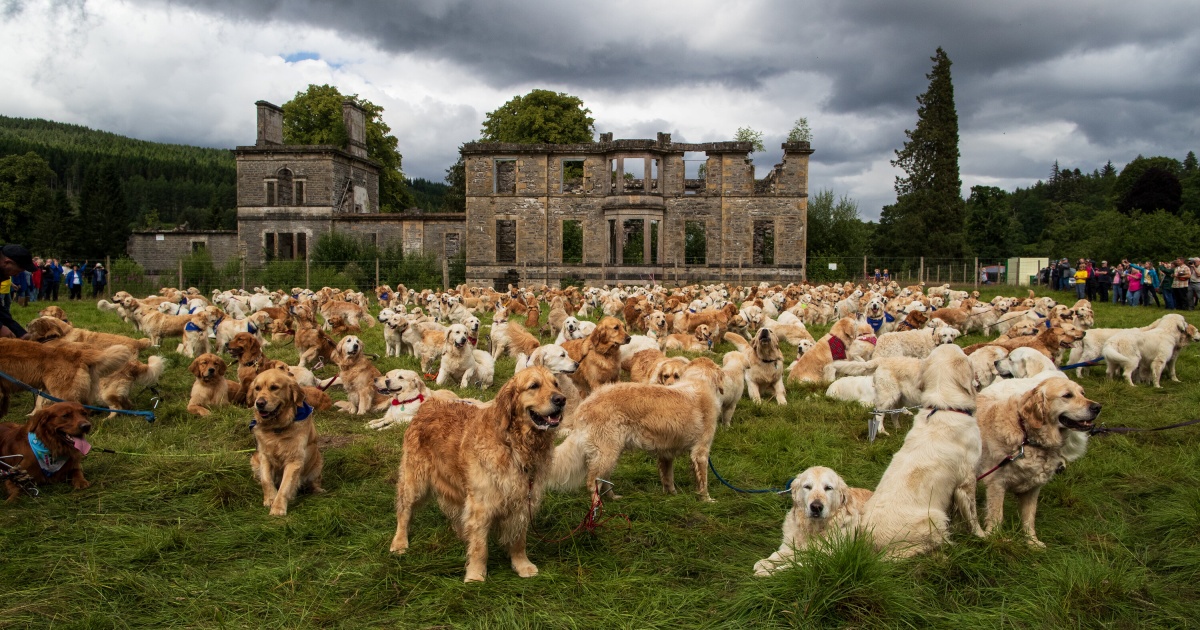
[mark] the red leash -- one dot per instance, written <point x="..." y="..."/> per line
<point x="591" y="522"/>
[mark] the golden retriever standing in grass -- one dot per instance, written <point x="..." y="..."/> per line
<point x="765" y="361"/>
<point x="935" y="469"/>
<point x="1047" y="426"/>
<point x="286" y="458"/>
<point x="822" y="506"/>
<point x="598" y="354"/>
<point x="486" y="465"/>
<point x="211" y="388"/>
<point x="666" y="421"/>
<point x="358" y="374"/>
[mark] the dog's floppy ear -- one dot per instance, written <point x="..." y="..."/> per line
<point x="194" y="368"/>
<point x="506" y="403"/>
<point x="1033" y="407"/>
<point x="295" y="393"/>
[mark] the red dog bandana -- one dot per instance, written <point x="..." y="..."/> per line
<point x="837" y="348"/>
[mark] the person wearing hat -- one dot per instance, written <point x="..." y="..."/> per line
<point x="14" y="261"/>
<point x="99" y="280"/>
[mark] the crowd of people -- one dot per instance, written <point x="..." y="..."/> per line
<point x="47" y="276"/>
<point x="1171" y="284"/>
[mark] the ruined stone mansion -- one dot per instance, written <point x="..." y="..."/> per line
<point x="602" y="212"/>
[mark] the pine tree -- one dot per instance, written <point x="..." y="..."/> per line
<point x="927" y="218"/>
<point x="1189" y="162"/>
<point x="104" y="220"/>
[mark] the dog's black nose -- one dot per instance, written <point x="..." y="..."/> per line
<point x="1094" y="407"/>
<point x="261" y="404"/>
<point x="559" y="400"/>
<point x="816" y="507"/>
<point x="85" y="427"/>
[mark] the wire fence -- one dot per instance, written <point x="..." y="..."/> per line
<point x="428" y="272"/>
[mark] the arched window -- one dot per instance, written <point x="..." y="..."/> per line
<point x="283" y="186"/>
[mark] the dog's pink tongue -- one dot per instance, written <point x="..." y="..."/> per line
<point x="82" y="445"/>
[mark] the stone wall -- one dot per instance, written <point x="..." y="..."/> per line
<point x="159" y="252"/>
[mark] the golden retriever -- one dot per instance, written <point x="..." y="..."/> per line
<point x="462" y="363"/>
<point x="810" y="367"/>
<point x="766" y="364"/>
<point x="486" y="465"/>
<point x="286" y="458"/>
<point x="51" y="445"/>
<point x="934" y="470"/>
<point x="1044" y="430"/>
<point x="66" y="370"/>
<point x="407" y="391"/>
<point x="116" y="387"/>
<point x="211" y="388"/>
<point x="667" y="421"/>
<point x="45" y="329"/>
<point x="822" y="506"/>
<point x="358" y="374"/>
<point x="598" y="354"/>
<point x="700" y="340"/>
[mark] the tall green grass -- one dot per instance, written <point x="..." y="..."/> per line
<point x="165" y="541"/>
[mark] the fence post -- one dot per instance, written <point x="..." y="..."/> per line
<point x="865" y="276"/>
<point x="243" y="273"/>
<point x="376" y="271"/>
<point x="445" y="274"/>
<point x="181" y="272"/>
<point x="108" y="266"/>
<point x="921" y="270"/>
<point x="939" y="274"/>
<point x="976" y="272"/>
<point x="307" y="281"/>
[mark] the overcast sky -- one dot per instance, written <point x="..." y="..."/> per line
<point x="1035" y="81"/>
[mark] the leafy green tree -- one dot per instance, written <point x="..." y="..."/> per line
<point x="1134" y="169"/>
<point x="746" y="134"/>
<point x="927" y="218"/>
<point x="800" y="131"/>
<point x="25" y="193"/>
<point x="541" y="116"/>
<point x="992" y="226"/>
<point x="1155" y="189"/>
<point x="455" y="199"/>
<point x="314" y="116"/>
<point x="834" y="227"/>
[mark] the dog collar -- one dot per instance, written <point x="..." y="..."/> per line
<point x="46" y="461"/>
<point x="302" y="413"/>
<point x="869" y="339"/>
<point x="183" y="301"/>
<point x="218" y="322"/>
<point x="401" y="403"/>
<point x="474" y="340"/>
<point x="933" y="410"/>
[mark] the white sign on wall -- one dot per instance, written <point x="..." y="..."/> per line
<point x="833" y="266"/>
<point x="160" y="237"/>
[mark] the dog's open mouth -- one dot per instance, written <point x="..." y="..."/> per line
<point x="77" y="441"/>
<point x="545" y="422"/>
<point x="459" y="344"/>
<point x="1078" y="425"/>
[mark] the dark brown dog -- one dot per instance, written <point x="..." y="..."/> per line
<point x="58" y="431"/>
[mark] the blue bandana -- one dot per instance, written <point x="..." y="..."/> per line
<point x="218" y="322"/>
<point x="384" y="296"/>
<point x="183" y="301"/>
<point x="876" y="323"/>
<point x="46" y="461"/>
<point x="251" y="328"/>
<point x="190" y="327"/>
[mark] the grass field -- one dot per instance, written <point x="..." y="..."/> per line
<point x="173" y="533"/>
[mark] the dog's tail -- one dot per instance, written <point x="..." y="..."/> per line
<point x="105" y="305"/>
<point x="153" y="371"/>
<point x="738" y="341"/>
<point x="851" y="368"/>
<point x="104" y="362"/>
<point x="568" y="469"/>
<point x="142" y="343"/>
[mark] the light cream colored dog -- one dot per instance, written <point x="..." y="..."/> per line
<point x="462" y="363"/>
<point x="914" y="343"/>
<point x="823" y="506"/>
<point x="766" y="364"/>
<point x="407" y="392"/>
<point x="935" y="469"/>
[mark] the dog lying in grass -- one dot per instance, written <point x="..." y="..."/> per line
<point x="823" y="506"/>
<point x="51" y="446"/>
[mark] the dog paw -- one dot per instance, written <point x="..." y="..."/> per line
<point x="80" y="485"/>
<point x="399" y="547"/>
<point x="1036" y="544"/>
<point x="526" y="570"/>
<point x="707" y="499"/>
<point x="279" y="510"/>
<point x="475" y="576"/>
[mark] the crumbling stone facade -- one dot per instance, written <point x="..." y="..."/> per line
<point x="602" y="212"/>
<point x="624" y="192"/>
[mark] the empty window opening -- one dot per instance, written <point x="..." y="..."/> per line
<point x="451" y="244"/>
<point x="506" y="241"/>
<point x="301" y="245"/>
<point x="197" y="246"/>
<point x="299" y="188"/>
<point x="695" y="243"/>
<point x="634" y="231"/>
<point x="634" y="176"/>
<point x="286" y="243"/>
<point x="764" y="242"/>
<point x="654" y="186"/>
<point x="506" y="177"/>
<point x="269" y="245"/>
<point x="271" y="192"/>
<point x="572" y="242"/>
<point x="572" y="177"/>
<point x="695" y="170"/>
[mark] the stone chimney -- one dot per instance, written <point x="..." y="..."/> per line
<point x="270" y="124"/>
<point x="356" y="129"/>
